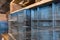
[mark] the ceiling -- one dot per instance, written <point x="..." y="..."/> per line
<point x="4" y="6"/>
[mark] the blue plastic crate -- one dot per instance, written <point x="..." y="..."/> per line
<point x="3" y="27"/>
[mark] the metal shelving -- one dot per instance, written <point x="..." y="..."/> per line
<point x="37" y="23"/>
<point x="19" y="28"/>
